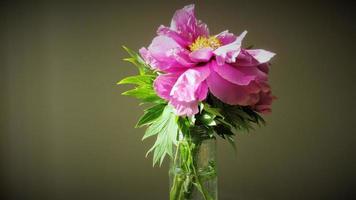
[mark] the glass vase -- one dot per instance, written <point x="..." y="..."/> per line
<point x="193" y="173"/>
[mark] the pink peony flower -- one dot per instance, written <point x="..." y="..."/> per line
<point x="193" y="63"/>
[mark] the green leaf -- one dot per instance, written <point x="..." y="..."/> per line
<point x="224" y="123"/>
<point x="192" y="120"/>
<point x="144" y="89"/>
<point x="260" y="120"/>
<point x="138" y="80"/>
<point x="254" y="116"/>
<point x="207" y="119"/>
<point x="223" y="130"/>
<point x="137" y="61"/>
<point x="166" y="129"/>
<point x="146" y="94"/>
<point x="231" y="140"/>
<point x="242" y="118"/>
<point x="184" y="125"/>
<point x="211" y="110"/>
<point x="151" y="114"/>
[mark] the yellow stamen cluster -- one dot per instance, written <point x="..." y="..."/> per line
<point x="205" y="42"/>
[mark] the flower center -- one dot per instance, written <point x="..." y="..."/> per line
<point x="205" y="42"/>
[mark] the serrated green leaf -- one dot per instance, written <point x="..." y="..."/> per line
<point x="223" y="130"/>
<point x="260" y="120"/>
<point x="239" y="117"/>
<point x="143" y="93"/>
<point x="137" y="61"/>
<point x="192" y="120"/>
<point x="184" y="125"/>
<point x="150" y="115"/>
<point x="158" y="124"/>
<point x="224" y="123"/>
<point x="207" y="119"/>
<point x="231" y="140"/>
<point x="254" y="116"/>
<point x="210" y="131"/>
<point x="166" y="129"/>
<point x="131" y="52"/>
<point x="243" y="115"/>
<point x="211" y="110"/>
<point x="201" y="107"/>
<point x="138" y="80"/>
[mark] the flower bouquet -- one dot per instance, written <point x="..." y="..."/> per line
<point x="199" y="87"/>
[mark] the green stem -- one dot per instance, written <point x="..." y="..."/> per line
<point x="176" y="190"/>
<point x="185" y="180"/>
<point x="198" y="184"/>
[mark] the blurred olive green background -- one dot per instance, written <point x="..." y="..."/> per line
<point x="67" y="133"/>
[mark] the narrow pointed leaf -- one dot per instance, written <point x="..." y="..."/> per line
<point x="138" y="80"/>
<point x="150" y="115"/>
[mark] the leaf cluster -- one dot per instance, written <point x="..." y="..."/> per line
<point x="144" y="81"/>
<point x="224" y="120"/>
<point x="159" y="118"/>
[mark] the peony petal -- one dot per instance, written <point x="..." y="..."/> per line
<point x="230" y="93"/>
<point x="201" y="55"/>
<point x="225" y="37"/>
<point x="262" y="56"/>
<point x="265" y="102"/>
<point x="182" y="108"/>
<point x="149" y="59"/>
<point x="202" y="92"/>
<point x="239" y="75"/>
<point x="164" y="83"/>
<point x="264" y="67"/>
<point x="181" y="56"/>
<point x="254" y="57"/>
<point x="228" y="53"/>
<point x="162" y="30"/>
<point x="187" y="26"/>
<point x="264" y="86"/>
<point x="167" y="55"/>
<point x="188" y="83"/>
<point x="161" y="45"/>
<point x="245" y="59"/>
